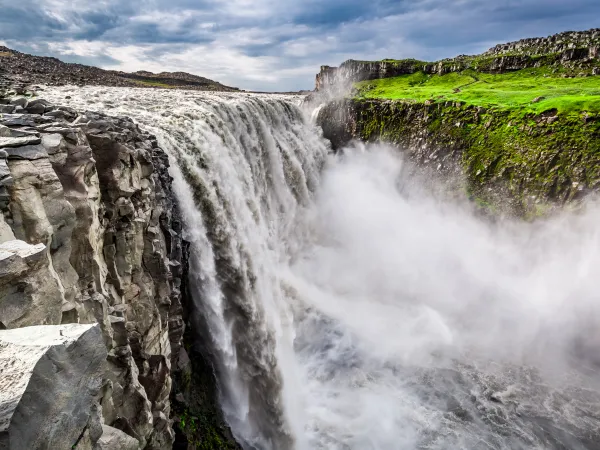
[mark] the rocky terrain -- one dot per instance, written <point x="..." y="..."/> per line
<point x="17" y="67"/>
<point x="91" y="265"/>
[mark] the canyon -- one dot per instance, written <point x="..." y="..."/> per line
<point x="356" y="268"/>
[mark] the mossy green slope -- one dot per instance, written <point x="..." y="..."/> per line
<point x="541" y="158"/>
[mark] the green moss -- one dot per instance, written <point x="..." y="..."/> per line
<point x="153" y="84"/>
<point x="550" y="156"/>
<point x="202" y="432"/>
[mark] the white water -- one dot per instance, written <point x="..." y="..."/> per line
<point x="351" y="311"/>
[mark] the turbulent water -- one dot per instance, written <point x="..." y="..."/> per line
<point x="351" y="310"/>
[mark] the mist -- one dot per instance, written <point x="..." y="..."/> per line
<point x="420" y="325"/>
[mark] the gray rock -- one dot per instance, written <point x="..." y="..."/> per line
<point x="6" y="109"/>
<point x="29" y="294"/>
<point x="29" y="152"/>
<point x="19" y="101"/>
<point x="113" y="439"/>
<point x="35" y="108"/>
<point x="23" y="120"/>
<point x="50" y="378"/>
<point x="19" y="141"/>
<point x="52" y="142"/>
<point x="97" y="192"/>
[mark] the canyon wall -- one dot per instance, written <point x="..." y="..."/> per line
<point x="90" y="233"/>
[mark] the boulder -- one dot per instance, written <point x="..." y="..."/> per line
<point x="29" y="294"/>
<point x="36" y="108"/>
<point x="50" y="379"/>
<point x="113" y="439"/>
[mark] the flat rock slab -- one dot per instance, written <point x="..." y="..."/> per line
<point x="19" y="141"/>
<point x="30" y="152"/>
<point x="49" y="379"/>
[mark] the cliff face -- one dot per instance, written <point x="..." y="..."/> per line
<point x="577" y="51"/>
<point x="520" y="165"/>
<point x="90" y="234"/>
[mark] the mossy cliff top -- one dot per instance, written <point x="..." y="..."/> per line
<point x="527" y="137"/>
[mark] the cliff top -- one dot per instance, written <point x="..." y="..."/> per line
<point x="556" y="43"/>
<point x="552" y="44"/>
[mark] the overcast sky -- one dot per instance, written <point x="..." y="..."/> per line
<point x="275" y="45"/>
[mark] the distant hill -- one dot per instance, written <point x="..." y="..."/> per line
<point x="26" y="69"/>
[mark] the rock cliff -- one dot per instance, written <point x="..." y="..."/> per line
<point x="514" y="163"/>
<point x="90" y="233"/>
<point x="518" y="156"/>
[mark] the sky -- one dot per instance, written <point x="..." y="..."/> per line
<point x="275" y="45"/>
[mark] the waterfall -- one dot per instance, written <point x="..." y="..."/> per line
<point x="351" y="309"/>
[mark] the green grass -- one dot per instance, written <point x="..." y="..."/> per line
<point x="152" y="84"/>
<point x="513" y="90"/>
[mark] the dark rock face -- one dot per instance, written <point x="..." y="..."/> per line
<point x="90" y="233"/>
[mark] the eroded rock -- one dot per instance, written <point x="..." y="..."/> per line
<point x="88" y="197"/>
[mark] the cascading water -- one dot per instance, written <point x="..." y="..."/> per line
<point x="351" y="310"/>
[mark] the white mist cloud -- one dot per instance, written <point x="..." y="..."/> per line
<point x="411" y="304"/>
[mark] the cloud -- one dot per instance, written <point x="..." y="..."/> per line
<point x="275" y="44"/>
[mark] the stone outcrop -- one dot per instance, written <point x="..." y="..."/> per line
<point x="576" y="51"/>
<point x="50" y="381"/>
<point x="90" y="233"/>
<point x="557" y="43"/>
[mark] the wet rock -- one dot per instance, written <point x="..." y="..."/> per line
<point x="35" y="108"/>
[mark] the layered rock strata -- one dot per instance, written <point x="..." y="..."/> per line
<point x="90" y="233"/>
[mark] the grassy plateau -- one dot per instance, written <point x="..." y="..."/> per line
<point x="529" y="90"/>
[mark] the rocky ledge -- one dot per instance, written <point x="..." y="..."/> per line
<point x="90" y="233"/>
